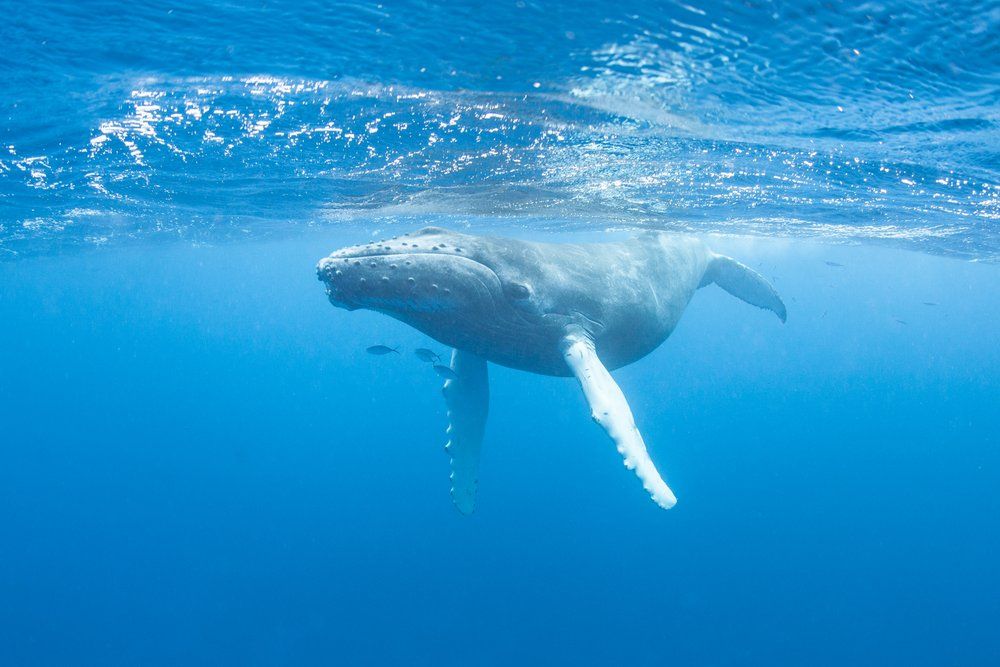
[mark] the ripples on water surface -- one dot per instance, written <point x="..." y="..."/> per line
<point x="206" y="121"/>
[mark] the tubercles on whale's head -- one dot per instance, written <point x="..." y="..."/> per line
<point x="424" y="279"/>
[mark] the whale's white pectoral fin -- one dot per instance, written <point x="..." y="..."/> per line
<point x="744" y="283"/>
<point x="468" y="399"/>
<point x="610" y="409"/>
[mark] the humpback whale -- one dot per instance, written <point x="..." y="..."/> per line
<point x="560" y="309"/>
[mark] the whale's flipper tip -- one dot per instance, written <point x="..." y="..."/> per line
<point x="667" y="504"/>
<point x="744" y="283"/>
<point x="463" y="492"/>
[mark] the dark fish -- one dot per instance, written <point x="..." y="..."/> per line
<point x="903" y="322"/>
<point x="382" y="349"/>
<point x="837" y="264"/>
<point x="426" y="355"/>
<point x="929" y="303"/>
<point x="445" y="372"/>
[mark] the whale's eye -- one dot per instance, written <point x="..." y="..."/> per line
<point x="517" y="291"/>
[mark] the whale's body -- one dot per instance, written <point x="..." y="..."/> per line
<point x="553" y="309"/>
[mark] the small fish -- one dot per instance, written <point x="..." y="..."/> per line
<point x="382" y="349"/>
<point x="903" y="322"/>
<point x="445" y="372"/>
<point x="837" y="264"/>
<point x="930" y="303"/>
<point x="426" y="355"/>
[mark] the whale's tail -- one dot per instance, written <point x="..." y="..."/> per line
<point x="744" y="283"/>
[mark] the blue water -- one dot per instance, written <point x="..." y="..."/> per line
<point x="199" y="464"/>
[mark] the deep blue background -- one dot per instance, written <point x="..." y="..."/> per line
<point x="200" y="464"/>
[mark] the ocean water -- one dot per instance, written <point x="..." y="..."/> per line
<point x="200" y="464"/>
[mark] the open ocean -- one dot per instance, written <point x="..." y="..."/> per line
<point x="200" y="464"/>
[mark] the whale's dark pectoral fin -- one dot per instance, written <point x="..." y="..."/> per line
<point x="468" y="399"/>
<point x="744" y="283"/>
<point x="610" y="409"/>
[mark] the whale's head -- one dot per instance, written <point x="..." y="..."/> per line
<point x="446" y="284"/>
